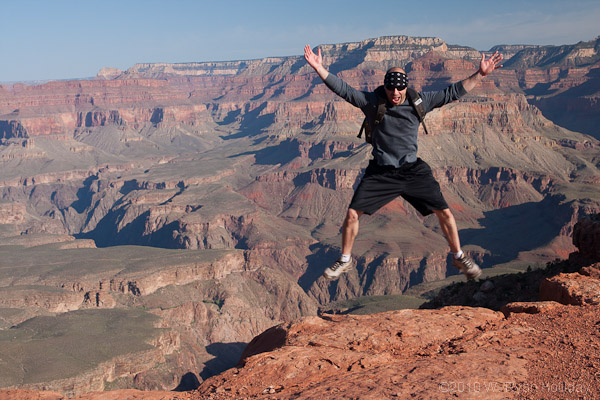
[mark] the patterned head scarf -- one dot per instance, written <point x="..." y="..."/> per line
<point x="395" y="80"/>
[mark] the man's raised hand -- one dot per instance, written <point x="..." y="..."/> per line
<point x="315" y="61"/>
<point x="488" y="66"/>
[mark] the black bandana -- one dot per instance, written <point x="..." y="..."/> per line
<point x="395" y="80"/>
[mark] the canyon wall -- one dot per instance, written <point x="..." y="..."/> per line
<point x="210" y="195"/>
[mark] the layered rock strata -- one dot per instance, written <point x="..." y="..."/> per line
<point x="258" y="160"/>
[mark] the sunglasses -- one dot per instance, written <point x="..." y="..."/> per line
<point x="391" y="88"/>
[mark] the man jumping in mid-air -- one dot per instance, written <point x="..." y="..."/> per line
<point x="395" y="169"/>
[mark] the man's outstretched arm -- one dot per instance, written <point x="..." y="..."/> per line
<point x="335" y="84"/>
<point x="486" y="67"/>
<point x="315" y="61"/>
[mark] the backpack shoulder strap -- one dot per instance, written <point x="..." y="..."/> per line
<point x="381" y="107"/>
<point x="417" y="102"/>
<point x="381" y="104"/>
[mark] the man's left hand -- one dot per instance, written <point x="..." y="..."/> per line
<point x="488" y="66"/>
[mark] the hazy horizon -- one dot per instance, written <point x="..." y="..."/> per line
<point x="66" y="39"/>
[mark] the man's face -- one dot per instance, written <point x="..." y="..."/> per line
<point x="395" y="83"/>
<point x="395" y="96"/>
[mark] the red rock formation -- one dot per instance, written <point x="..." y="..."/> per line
<point x="583" y="287"/>
<point x="571" y="289"/>
<point x="586" y="236"/>
<point x="529" y="353"/>
<point x="387" y="356"/>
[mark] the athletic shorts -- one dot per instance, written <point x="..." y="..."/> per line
<point x="414" y="182"/>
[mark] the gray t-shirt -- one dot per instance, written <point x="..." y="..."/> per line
<point x="395" y="137"/>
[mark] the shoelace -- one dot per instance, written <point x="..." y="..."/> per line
<point x="337" y="265"/>
<point x="467" y="262"/>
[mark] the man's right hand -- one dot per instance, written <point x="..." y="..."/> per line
<point x="315" y="61"/>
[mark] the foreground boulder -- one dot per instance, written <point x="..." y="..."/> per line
<point x="456" y="351"/>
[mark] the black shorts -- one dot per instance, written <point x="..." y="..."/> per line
<point x="413" y="181"/>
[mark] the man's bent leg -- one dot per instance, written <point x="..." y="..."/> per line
<point x="449" y="229"/>
<point x="349" y="232"/>
<point x="465" y="264"/>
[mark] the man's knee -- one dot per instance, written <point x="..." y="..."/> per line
<point x="353" y="215"/>
<point x="444" y="214"/>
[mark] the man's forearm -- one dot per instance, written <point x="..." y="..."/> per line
<point x="485" y="68"/>
<point x="472" y="81"/>
<point x="322" y="72"/>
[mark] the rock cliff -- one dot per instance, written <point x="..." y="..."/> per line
<point x="537" y="349"/>
<point x="212" y="307"/>
<point x="522" y="352"/>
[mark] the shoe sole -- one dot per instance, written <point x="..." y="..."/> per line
<point x="330" y="278"/>
<point x="333" y="277"/>
<point x="475" y="275"/>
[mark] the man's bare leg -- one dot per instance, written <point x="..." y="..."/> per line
<point x="449" y="229"/>
<point x="459" y="260"/>
<point x="350" y="230"/>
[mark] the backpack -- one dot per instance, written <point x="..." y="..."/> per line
<point x="413" y="98"/>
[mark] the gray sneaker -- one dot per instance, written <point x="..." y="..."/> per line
<point x="467" y="267"/>
<point x="337" y="269"/>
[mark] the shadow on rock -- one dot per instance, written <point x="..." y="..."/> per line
<point x="497" y="291"/>
<point x="321" y="257"/>
<point x="227" y="355"/>
<point x="537" y="225"/>
<point x="188" y="382"/>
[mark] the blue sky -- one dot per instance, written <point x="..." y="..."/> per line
<point x="62" y="39"/>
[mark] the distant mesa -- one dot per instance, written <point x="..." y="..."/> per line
<point x="109" y="73"/>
